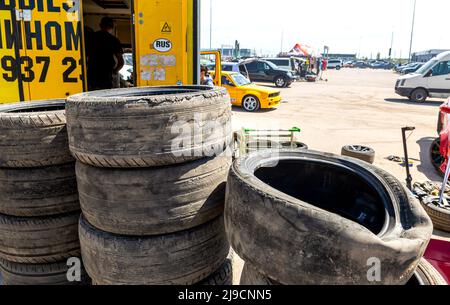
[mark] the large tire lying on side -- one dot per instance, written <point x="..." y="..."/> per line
<point x="39" y="191"/>
<point x="363" y="153"/>
<point x="181" y="258"/>
<point x="33" y="134"/>
<point x="156" y="200"/>
<point x="251" y="276"/>
<point x="425" y="274"/>
<point x="147" y="127"/>
<point x="439" y="215"/>
<point x="39" y="274"/>
<point x="317" y="218"/>
<point x="39" y="240"/>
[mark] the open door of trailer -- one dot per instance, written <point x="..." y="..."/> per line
<point x="166" y="42"/>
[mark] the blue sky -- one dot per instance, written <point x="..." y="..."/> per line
<point x="347" y="26"/>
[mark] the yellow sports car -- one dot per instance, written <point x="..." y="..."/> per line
<point x="248" y="95"/>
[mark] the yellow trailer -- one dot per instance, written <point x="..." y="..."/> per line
<point x="42" y="52"/>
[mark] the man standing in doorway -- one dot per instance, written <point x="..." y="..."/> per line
<point x="106" y="57"/>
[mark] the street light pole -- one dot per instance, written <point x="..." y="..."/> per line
<point x="412" y="30"/>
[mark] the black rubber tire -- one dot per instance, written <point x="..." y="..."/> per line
<point x="39" y="274"/>
<point x="137" y="127"/>
<point x="181" y="258"/>
<point x="252" y="277"/>
<point x="280" y="85"/>
<point x="33" y="134"/>
<point x="425" y="274"/>
<point x="359" y="152"/>
<point x="222" y="276"/>
<point x="39" y="240"/>
<point x="156" y="200"/>
<point x="419" y="95"/>
<point x="39" y="191"/>
<point x="440" y="124"/>
<point x="439" y="215"/>
<point x="294" y="241"/>
<point x="435" y="156"/>
<point x="338" y="68"/>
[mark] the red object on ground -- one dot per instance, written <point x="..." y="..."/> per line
<point x="438" y="254"/>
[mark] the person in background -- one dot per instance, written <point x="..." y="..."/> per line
<point x="105" y="58"/>
<point x="318" y="65"/>
<point x="205" y="78"/>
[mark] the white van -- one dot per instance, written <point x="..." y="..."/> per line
<point x="431" y="80"/>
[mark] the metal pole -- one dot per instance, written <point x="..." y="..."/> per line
<point x="412" y="30"/>
<point x="405" y="148"/>
<point x="392" y="45"/>
<point x="210" y="24"/>
<point x="282" y="37"/>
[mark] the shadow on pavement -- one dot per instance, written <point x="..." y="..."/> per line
<point x="408" y="102"/>
<point x="425" y="166"/>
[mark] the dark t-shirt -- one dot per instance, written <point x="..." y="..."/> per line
<point x="101" y="61"/>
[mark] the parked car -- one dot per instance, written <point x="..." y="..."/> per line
<point x="381" y="65"/>
<point x="335" y="64"/>
<point x="412" y="69"/>
<point x="431" y="80"/>
<point x="283" y="63"/>
<point x="349" y="64"/>
<point x="247" y="95"/>
<point x="406" y="66"/>
<point x="264" y="71"/>
<point x="361" y="64"/>
<point x="226" y="66"/>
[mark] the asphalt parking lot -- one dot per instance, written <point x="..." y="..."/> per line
<point x="355" y="106"/>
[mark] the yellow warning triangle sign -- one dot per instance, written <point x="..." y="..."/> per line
<point x="166" y="28"/>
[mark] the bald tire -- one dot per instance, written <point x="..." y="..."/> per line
<point x="152" y="201"/>
<point x="33" y="134"/>
<point x="222" y="276"/>
<point x="181" y="258"/>
<point x="40" y="191"/>
<point x="251" y="277"/>
<point x="39" y="240"/>
<point x="39" y="274"/>
<point x="149" y="126"/>
<point x="425" y="274"/>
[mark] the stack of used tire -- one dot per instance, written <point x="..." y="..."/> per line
<point x="306" y="217"/>
<point x="39" y="207"/>
<point x="152" y="196"/>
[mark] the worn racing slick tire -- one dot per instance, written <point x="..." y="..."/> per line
<point x="306" y="217"/>
<point x="149" y="126"/>
<point x="38" y="191"/>
<point x="153" y="201"/>
<point x="33" y="134"/>
<point x="181" y="258"/>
